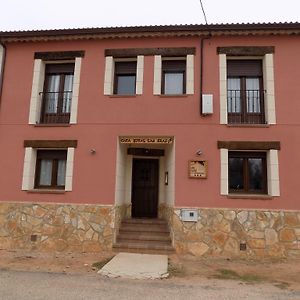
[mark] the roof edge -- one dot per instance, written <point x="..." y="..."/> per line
<point x="193" y="28"/>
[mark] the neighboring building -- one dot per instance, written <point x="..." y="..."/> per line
<point x="195" y="124"/>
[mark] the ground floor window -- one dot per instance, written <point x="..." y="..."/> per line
<point x="51" y="169"/>
<point x="247" y="172"/>
<point x="48" y="165"/>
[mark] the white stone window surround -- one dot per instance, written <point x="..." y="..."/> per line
<point x="272" y="172"/>
<point x="30" y="165"/>
<point x="268" y="80"/>
<point x="189" y="73"/>
<point x="110" y="73"/>
<point x="38" y="85"/>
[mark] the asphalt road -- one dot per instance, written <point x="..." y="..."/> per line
<point x="34" y="285"/>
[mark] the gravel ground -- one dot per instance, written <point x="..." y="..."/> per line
<point x="35" y="275"/>
<point x="41" y="285"/>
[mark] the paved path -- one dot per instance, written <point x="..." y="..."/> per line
<point x="136" y="266"/>
<point x="31" y="285"/>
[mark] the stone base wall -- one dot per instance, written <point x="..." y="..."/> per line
<point x="166" y="212"/>
<point x="93" y="228"/>
<point x="56" y="227"/>
<point x="121" y="212"/>
<point x="242" y="233"/>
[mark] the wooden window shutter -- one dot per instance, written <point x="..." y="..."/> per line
<point x="125" y="67"/>
<point x="59" y="68"/>
<point x="237" y="68"/>
<point x="173" y="65"/>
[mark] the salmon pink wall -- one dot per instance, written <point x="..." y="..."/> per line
<point x="101" y="119"/>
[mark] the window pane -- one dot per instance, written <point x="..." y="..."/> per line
<point x="67" y="97"/>
<point x="51" y="96"/>
<point x="255" y="170"/>
<point x="253" y="95"/>
<point x="46" y="172"/>
<point x="61" y="172"/>
<point x="173" y="83"/>
<point x="236" y="174"/>
<point x="125" y="84"/>
<point x="234" y="95"/>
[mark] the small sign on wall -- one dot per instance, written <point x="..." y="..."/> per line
<point x="198" y="169"/>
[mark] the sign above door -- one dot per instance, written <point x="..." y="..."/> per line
<point x="146" y="139"/>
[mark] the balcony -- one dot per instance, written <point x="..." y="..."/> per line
<point x="56" y="107"/>
<point x="245" y="107"/>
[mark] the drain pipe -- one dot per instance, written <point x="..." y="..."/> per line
<point x="201" y="68"/>
<point x="2" y="64"/>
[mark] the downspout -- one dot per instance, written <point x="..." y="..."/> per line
<point x="201" y="67"/>
<point x="2" y="64"/>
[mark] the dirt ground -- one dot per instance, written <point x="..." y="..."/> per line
<point x="282" y="273"/>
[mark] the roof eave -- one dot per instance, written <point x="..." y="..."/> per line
<point x="152" y="31"/>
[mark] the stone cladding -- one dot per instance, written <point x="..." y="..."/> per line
<point x="224" y="232"/>
<point x="57" y="227"/>
<point x="93" y="228"/>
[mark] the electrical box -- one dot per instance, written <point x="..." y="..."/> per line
<point x="207" y="104"/>
<point x="189" y="215"/>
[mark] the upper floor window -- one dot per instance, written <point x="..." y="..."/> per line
<point x="173" y="77"/>
<point x="245" y="97"/>
<point x="55" y="87"/>
<point x="173" y="71"/>
<point x="57" y="94"/>
<point x="125" y="78"/>
<point x="247" y="92"/>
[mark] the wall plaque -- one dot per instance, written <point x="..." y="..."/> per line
<point x="146" y="140"/>
<point x="198" y="169"/>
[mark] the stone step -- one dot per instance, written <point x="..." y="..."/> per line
<point x="143" y="242"/>
<point x="144" y="221"/>
<point x="144" y="251"/>
<point x="136" y="246"/>
<point x="144" y="236"/>
<point x="143" y="228"/>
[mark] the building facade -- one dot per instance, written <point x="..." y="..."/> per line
<point x="197" y="125"/>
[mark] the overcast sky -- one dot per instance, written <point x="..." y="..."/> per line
<point x="51" y="14"/>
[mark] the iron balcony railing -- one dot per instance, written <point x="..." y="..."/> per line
<point x="56" y="107"/>
<point x="245" y="106"/>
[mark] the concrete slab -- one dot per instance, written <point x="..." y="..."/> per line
<point x="137" y="266"/>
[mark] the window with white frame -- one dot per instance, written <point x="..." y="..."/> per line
<point x="173" y="75"/>
<point x="246" y="85"/>
<point x="124" y="76"/>
<point x="55" y="87"/>
<point x="49" y="168"/>
<point x="249" y="168"/>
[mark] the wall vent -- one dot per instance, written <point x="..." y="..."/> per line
<point x="33" y="238"/>
<point x="243" y="246"/>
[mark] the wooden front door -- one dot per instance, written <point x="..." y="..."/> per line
<point x="144" y="188"/>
